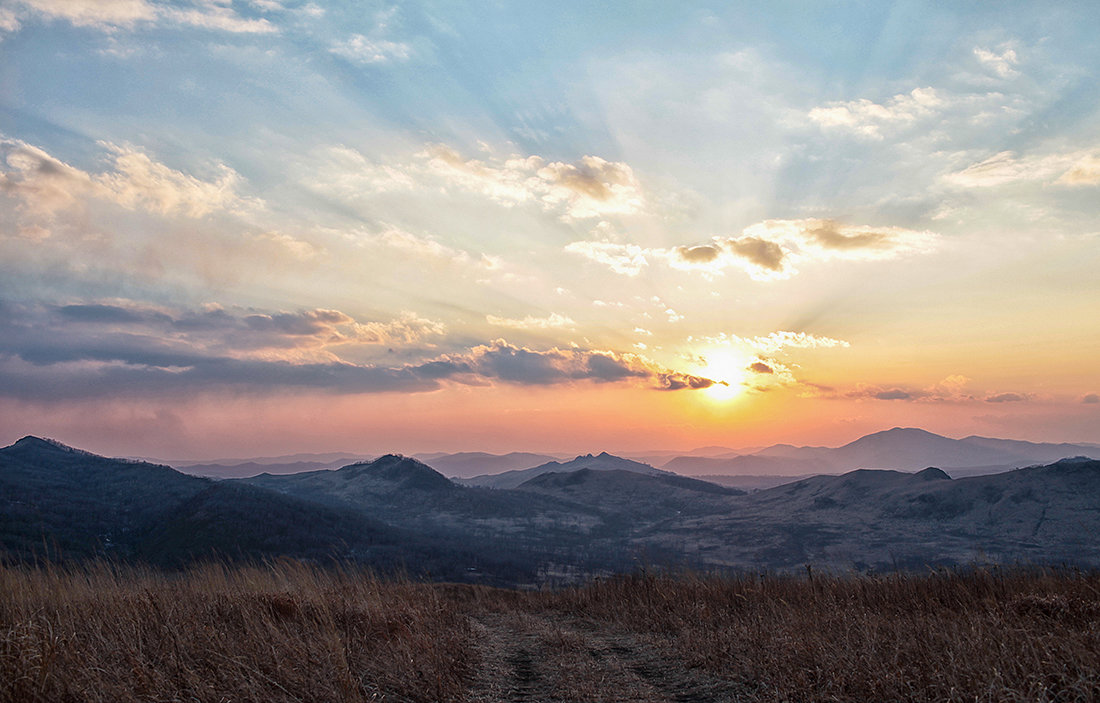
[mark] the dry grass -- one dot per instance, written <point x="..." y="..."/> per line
<point x="973" y="636"/>
<point x="288" y="632"/>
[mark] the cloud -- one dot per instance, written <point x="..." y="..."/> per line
<point x="625" y="259"/>
<point x="1006" y="398"/>
<point x="129" y="333"/>
<point x="1085" y="171"/>
<point x="1075" y="168"/>
<point x="553" y="321"/>
<point x="1003" y="63"/>
<point x="950" y="390"/>
<point x="772" y="342"/>
<point x="759" y="253"/>
<point x="111" y="348"/>
<point x="702" y="254"/>
<point x="214" y="15"/>
<point x="421" y="248"/>
<point x="893" y="394"/>
<point x="45" y="185"/>
<point x="590" y="187"/>
<point x="761" y="367"/>
<point x="138" y="182"/>
<point x="116" y="15"/>
<point x="42" y="183"/>
<point x="1091" y="398"/>
<point x="868" y="119"/>
<point x="520" y="365"/>
<point x="823" y="240"/>
<point x="767" y="250"/>
<point x="362" y="49"/>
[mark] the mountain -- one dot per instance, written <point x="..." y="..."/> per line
<point x="594" y="514"/>
<point x="628" y="493"/>
<point x="883" y="519"/>
<point x="362" y="483"/>
<point x="597" y="462"/>
<point x="902" y="448"/>
<point x="470" y="464"/>
<point x="249" y="468"/>
<point x="61" y="502"/>
<point x="750" y="465"/>
<point x="328" y="460"/>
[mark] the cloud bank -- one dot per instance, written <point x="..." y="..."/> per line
<point x="86" y="350"/>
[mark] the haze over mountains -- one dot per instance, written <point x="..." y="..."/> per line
<point x="907" y="449"/>
<point x="558" y="521"/>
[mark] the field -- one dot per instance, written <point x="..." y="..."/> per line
<point x="285" y="631"/>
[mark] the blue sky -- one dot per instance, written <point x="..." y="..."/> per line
<point x="891" y="207"/>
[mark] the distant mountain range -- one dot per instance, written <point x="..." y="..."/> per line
<point x="470" y="464"/>
<point x="558" y="520"/>
<point x="907" y="449"/>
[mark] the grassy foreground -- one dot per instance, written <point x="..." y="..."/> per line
<point x="290" y="632"/>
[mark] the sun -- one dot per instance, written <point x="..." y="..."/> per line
<point x="727" y="370"/>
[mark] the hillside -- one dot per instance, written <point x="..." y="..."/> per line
<point x="63" y="503"/>
<point x="554" y="526"/>
<point x="595" y="462"/>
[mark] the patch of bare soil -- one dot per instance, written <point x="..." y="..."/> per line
<point x="544" y="657"/>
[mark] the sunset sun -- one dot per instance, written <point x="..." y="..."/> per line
<point x="728" y="371"/>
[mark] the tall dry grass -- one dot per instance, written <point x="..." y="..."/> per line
<point x="290" y="632"/>
<point x="983" y="635"/>
<point x="283" y="632"/>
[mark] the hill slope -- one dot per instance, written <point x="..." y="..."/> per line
<point x="595" y="462"/>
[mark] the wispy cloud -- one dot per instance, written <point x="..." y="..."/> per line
<point x="363" y="49"/>
<point x="869" y="119"/>
<point x="119" y="15"/>
<point x="45" y="185"/>
<point x="552" y="321"/>
<point x="590" y="187"/>
<point x="765" y="251"/>
<point x="1072" y="168"/>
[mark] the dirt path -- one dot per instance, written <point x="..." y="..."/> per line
<point x="541" y="658"/>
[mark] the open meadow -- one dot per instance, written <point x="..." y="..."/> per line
<point x="285" y="631"/>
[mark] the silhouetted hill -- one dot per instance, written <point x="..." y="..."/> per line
<point x="592" y="517"/>
<point x="60" y="502"/>
<point x="596" y="462"/>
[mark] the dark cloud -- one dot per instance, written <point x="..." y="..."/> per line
<point x="828" y="235"/>
<point x="761" y="252"/>
<point x="761" y="367"/>
<point x="607" y="369"/>
<point x="103" y="314"/>
<point x="88" y="351"/>
<point x="702" y="254"/>
<point x="893" y="394"/>
<point x="676" y="381"/>
<point x="1006" y="398"/>
<point x="870" y="392"/>
<point x="1091" y="398"/>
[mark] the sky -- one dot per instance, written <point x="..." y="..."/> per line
<point x="273" y="226"/>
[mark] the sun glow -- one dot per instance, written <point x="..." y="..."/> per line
<point x="727" y="370"/>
